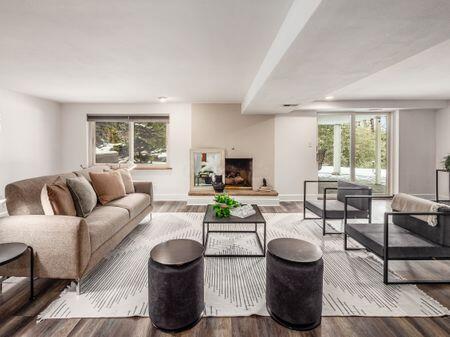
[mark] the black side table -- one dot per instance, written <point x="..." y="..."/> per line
<point x="14" y="250"/>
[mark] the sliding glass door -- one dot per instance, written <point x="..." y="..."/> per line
<point x="354" y="147"/>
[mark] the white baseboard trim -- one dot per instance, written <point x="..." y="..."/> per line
<point x="291" y="197"/>
<point x="260" y="201"/>
<point x="170" y="197"/>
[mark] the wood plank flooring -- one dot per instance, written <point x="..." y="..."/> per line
<point x="18" y="316"/>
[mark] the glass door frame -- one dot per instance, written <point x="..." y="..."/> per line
<point x="389" y="121"/>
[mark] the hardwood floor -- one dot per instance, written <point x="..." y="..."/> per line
<point x="18" y="316"/>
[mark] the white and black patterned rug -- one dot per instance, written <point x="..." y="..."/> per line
<point x="236" y="286"/>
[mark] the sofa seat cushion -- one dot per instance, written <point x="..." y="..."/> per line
<point x="135" y="203"/>
<point x="403" y="244"/>
<point x="104" y="222"/>
<point x="335" y="209"/>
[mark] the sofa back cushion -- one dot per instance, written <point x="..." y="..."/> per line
<point x="24" y="197"/>
<point x="439" y="234"/>
<point x="85" y="172"/>
<point x="346" y="188"/>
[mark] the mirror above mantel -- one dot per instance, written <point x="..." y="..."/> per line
<point x="205" y="164"/>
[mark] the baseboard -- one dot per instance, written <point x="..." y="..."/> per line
<point x="260" y="201"/>
<point x="170" y="197"/>
<point x="291" y="197"/>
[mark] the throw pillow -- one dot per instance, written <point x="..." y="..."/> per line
<point x="83" y="195"/>
<point x="45" y="202"/>
<point x="108" y="186"/>
<point x="61" y="199"/>
<point x="127" y="179"/>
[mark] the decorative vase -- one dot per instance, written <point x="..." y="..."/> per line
<point x="218" y="184"/>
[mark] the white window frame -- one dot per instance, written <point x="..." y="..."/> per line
<point x="130" y="163"/>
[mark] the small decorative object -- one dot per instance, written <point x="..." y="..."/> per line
<point x="446" y="162"/>
<point x="243" y="211"/>
<point x="223" y="205"/>
<point x="265" y="187"/>
<point x="218" y="184"/>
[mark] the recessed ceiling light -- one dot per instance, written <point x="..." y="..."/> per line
<point x="162" y="99"/>
<point x="329" y="98"/>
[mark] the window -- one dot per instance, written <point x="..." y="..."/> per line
<point x="355" y="147"/>
<point x="140" y="140"/>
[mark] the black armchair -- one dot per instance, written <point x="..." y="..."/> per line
<point x="406" y="238"/>
<point x="334" y="209"/>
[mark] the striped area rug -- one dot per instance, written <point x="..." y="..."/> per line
<point x="236" y="286"/>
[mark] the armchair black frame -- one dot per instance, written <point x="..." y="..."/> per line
<point x="385" y="256"/>
<point x="325" y="191"/>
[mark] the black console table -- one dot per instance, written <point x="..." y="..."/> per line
<point x="437" y="185"/>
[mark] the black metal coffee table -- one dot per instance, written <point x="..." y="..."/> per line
<point x="231" y="222"/>
<point x="12" y="251"/>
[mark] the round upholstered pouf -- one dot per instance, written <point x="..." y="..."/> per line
<point x="175" y="284"/>
<point x="294" y="282"/>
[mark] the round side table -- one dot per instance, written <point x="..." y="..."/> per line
<point x="12" y="251"/>
<point x="294" y="282"/>
<point x="175" y="285"/>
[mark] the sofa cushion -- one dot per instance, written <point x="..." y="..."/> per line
<point x="335" y="209"/>
<point x="104" y="222"/>
<point x="403" y="244"/>
<point x="135" y="203"/>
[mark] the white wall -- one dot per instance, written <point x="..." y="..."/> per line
<point x="295" y="153"/>
<point x="29" y="137"/>
<point x="416" y="152"/>
<point x="443" y="147"/>
<point x="168" y="184"/>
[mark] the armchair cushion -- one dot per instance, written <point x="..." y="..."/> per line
<point x="403" y="244"/>
<point x="335" y="209"/>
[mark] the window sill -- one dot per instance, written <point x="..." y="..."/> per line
<point x="151" y="168"/>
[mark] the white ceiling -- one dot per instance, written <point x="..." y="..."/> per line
<point x="263" y="53"/>
<point x="135" y="51"/>
<point x="345" y="41"/>
<point x="422" y="76"/>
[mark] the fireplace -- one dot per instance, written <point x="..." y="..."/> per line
<point x="238" y="173"/>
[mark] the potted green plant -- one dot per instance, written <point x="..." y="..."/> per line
<point x="446" y="162"/>
<point x="223" y="205"/>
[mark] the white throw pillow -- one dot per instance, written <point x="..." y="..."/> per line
<point x="45" y="202"/>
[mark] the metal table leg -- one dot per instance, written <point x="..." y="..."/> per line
<point x="31" y="272"/>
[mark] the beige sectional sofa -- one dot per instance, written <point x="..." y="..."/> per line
<point x="67" y="247"/>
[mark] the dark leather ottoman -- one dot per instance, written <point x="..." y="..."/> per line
<point x="294" y="282"/>
<point x="175" y="285"/>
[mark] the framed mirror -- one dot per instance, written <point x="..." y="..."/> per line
<point x="205" y="164"/>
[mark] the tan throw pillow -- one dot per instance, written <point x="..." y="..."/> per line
<point x="108" y="186"/>
<point x="60" y="199"/>
<point x="127" y="180"/>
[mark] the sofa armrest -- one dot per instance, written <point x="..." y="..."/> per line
<point x="61" y="244"/>
<point x="144" y="187"/>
